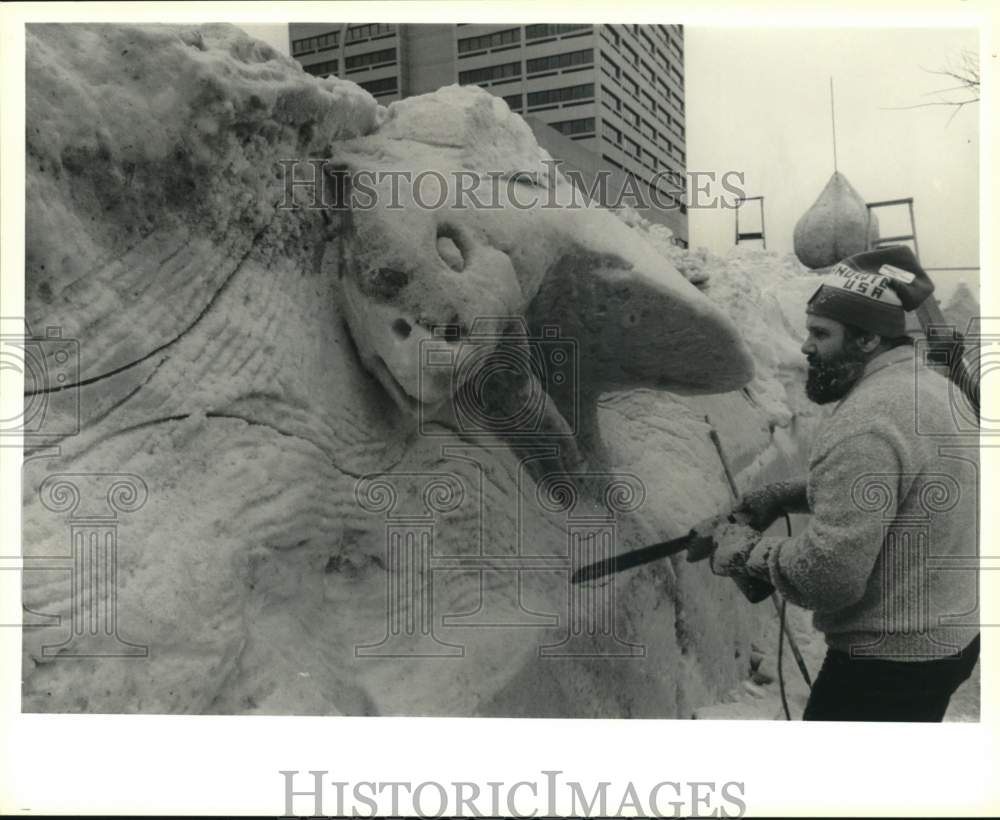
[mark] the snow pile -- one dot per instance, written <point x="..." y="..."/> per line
<point x="962" y="308"/>
<point x="286" y="493"/>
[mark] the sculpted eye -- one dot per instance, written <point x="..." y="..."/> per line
<point x="448" y="248"/>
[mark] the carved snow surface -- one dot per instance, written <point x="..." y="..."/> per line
<point x="835" y="226"/>
<point x="276" y="490"/>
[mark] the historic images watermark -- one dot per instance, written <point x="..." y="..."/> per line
<point x="92" y="504"/>
<point x="911" y="562"/>
<point x="587" y="615"/>
<point x="549" y="794"/>
<point x="501" y="380"/>
<point x="326" y="184"/>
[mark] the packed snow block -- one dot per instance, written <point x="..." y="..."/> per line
<point x="270" y="502"/>
<point x="835" y="226"/>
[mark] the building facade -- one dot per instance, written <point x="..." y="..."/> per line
<point x="598" y="97"/>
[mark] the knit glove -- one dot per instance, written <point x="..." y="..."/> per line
<point x="734" y="548"/>
<point x="764" y="506"/>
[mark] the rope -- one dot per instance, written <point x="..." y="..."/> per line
<point x="782" y="630"/>
<point x="781" y="674"/>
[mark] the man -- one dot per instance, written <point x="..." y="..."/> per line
<point x="887" y="561"/>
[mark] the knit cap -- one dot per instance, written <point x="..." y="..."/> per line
<point x="873" y="290"/>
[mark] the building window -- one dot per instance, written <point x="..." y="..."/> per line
<point x="677" y="101"/>
<point x="610" y="67"/>
<point x="632" y="147"/>
<point x="493" y="72"/>
<point x="513" y="101"/>
<point x="649" y="102"/>
<point x="318" y="43"/>
<point x="630" y="117"/>
<point x="630" y="85"/>
<point x="647" y="73"/>
<point x="322" y="69"/>
<point x="611" y="35"/>
<point x="649" y="131"/>
<point x="497" y="38"/>
<point x="376" y="88"/>
<point x="551" y="30"/>
<point x="559" y="95"/>
<point x="359" y="61"/>
<point x="566" y="60"/>
<point x="570" y="127"/>
<point x="366" y="30"/>
<point x="630" y="53"/>
<point x="647" y="41"/>
<point x="649" y="160"/>
<point x="611" y="100"/>
<point x="611" y="134"/>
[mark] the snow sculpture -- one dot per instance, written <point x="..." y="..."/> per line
<point x="299" y="513"/>
<point x="835" y="226"/>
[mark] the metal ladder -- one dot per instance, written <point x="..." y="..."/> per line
<point x="946" y="347"/>
<point x="748" y="235"/>
<point x="929" y="313"/>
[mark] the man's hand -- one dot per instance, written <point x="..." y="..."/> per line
<point x="733" y="545"/>
<point x="764" y="506"/>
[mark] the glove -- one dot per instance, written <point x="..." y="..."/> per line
<point x="764" y="506"/>
<point x="734" y="544"/>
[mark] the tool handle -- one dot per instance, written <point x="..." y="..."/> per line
<point x="754" y="589"/>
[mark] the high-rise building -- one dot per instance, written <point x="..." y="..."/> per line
<point x="598" y="97"/>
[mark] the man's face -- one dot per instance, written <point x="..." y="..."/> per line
<point x="836" y="363"/>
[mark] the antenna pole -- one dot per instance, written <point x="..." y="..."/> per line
<point x="833" y="126"/>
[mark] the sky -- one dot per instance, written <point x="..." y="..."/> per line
<point x="758" y="102"/>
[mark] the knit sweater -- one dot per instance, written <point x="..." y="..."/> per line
<point x="888" y="561"/>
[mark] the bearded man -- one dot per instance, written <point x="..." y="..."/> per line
<point x="887" y="562"/>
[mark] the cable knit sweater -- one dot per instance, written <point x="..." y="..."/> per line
<point x="888" y="560"/>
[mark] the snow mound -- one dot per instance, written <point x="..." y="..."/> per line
<point x="289" y="531"/>
<point x="962" y="308"/>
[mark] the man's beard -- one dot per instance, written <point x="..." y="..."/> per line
<point x="832" y="378"/>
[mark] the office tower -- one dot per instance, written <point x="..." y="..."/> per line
<point x="598" y="97"/>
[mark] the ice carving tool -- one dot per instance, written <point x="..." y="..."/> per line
<point x="698" y="540"/>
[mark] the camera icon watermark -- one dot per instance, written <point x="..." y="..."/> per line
<point x="502" y="381"/>
<point x="50" y="366"/>
<point x="964" y="360"/>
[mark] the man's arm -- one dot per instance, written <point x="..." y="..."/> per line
<point x="827" y="566"/>
<point x="766" y="505"/>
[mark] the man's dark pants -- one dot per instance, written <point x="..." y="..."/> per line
<point x="872" y="689"/>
